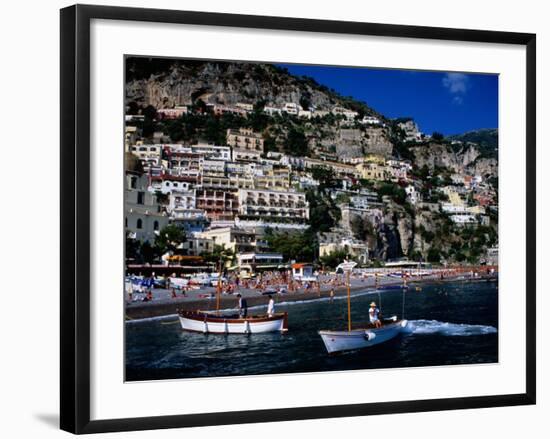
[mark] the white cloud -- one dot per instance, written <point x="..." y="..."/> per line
<point x="458" y="100"/>
<point x="457" y="84"/>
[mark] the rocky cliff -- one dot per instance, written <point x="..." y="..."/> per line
<point x="182" y="82"/>
<point x="462" y="159"/>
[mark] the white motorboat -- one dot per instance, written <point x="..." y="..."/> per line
<point x="360" y="338"/>
<point x="210" y="322"/>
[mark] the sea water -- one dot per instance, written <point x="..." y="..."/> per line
<point x="449" y="323"/>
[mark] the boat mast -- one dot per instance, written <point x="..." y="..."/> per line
<point x="349" y="301"/>
<point x="219" y="287"/>
<point x="403" y="306"/>
<point x="347" y="267"/>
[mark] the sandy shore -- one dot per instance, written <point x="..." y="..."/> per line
<point x="164" y="304"/>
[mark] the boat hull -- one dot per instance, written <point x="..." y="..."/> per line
<point x="340" y="341"/>
<point x="206" y="323"/>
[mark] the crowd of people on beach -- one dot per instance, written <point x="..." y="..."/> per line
<point x="281" y="282"/>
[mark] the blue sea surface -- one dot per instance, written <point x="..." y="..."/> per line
<point x="449" y="323"/>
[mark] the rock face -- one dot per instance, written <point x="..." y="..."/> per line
<point x="222" y="83"/>
<point x="465" y="159"/>
<point x="353" y="142"/>
<point x="485" y="167"/>
<point x="377" y="142"/>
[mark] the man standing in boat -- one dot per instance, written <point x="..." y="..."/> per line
<point x="271" y="306"/>
<point x="374" y="315"/>
<point x="243" y="306"/>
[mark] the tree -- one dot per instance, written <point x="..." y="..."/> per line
<point x="270" y="144"/>
<point x="323" y="214"/>
<point x="132" y="249"/>
<point x="394" y="191"/>
<point x="325" y="176"/>
<point x="259" y="105"/>
<point x="296" y="143"/>
<point x="437" y="137"/>
<point x="148" y="253"/>
<point x="333" y="259"/>
<point x="434" y="255"/>
<point x="150" y="112"/>
<point x="305" y="101"/>
<point x="200" y="106"/>
<point x="161" y="197"/>
<point x="169" y="238"/>
<point x="357" y="226"/>
<point x="220" y="256"/>
<point x="299" y="246"/>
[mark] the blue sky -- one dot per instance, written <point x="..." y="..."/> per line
<point x="451" y="103"/>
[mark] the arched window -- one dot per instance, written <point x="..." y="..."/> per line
<point x="156" y="225"/>
<point x="139" y="224"/>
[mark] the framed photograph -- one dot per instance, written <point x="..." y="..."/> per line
<point x="272" y="218"/>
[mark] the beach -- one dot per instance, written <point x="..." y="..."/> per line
<point x="163" y="303"/>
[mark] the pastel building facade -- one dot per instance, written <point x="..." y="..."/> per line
<point x="143" y="218"/>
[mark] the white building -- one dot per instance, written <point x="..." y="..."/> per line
<point x="167" y="184"/>
<point x="410" y="128"/>
<point x="272" y="110"/>
<point x="196" y="246"/>
<point x="412" y="194"/>
<point x="181" y="201"/>
<point x="371" y="120"/>
<point x="245" y="138"/>
<point x="143" y="218"/>
<point x="149" y="155"/>
<point x="213" y="167"/>
<point x="305" y="182"/>
<point x="360" y="201"/>
<point x="335" y="241"/>
<point x="273" y="204"/>
<point x="294" y="162"/>
<point x="245" y="106"/>
<point x="229" y="183"/>
<point x="236" y="239"/>
<point x="350" y="115"/>
<point x="463" y="219"/>
<point x="243" y="168"/>
<point x="247" y="155"/>
<point x="213" y="152"/>
<point x="259" y="261"/>
<point x="172" y="113"/>
<point x="292" y="108"/>
<point x="398" y="169"/>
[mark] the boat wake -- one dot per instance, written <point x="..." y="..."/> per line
<point x="448" y="329"/>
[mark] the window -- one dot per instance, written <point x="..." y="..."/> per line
<point x="139" y="223"/>
<point x="125" y="222"/>
<point x="133" y="182"/>
<point x="156" y="225"/>
<point x="140" y="196"/>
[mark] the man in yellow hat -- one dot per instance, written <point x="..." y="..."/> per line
<point x="374" y="315"/>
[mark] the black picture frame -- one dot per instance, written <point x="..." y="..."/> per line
<point x="75" y="217"/>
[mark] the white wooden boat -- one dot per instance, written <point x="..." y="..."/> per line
<point x="340" y="341"/>
<point x="208" y="322"/>
<point x="370" y="335"/>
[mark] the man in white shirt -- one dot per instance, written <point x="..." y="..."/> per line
<point x="271" y="307"/>
<point x="374" y="315"/>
